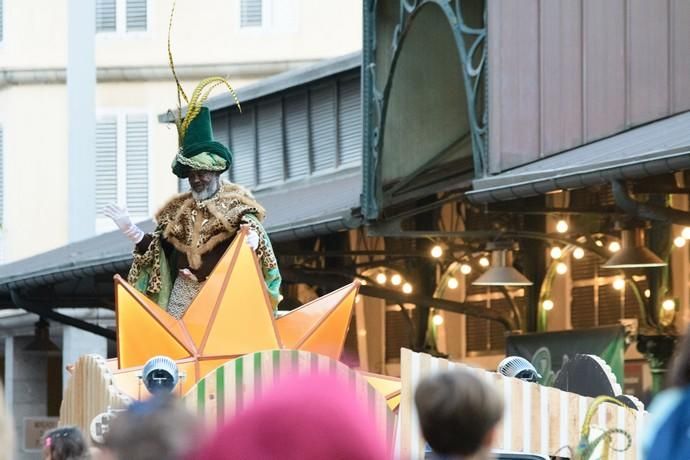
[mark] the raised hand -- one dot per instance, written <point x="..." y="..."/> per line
<point x="124" y="222"/>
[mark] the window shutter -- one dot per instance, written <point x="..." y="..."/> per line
<point x="323" y="127"/>
<point x="610" y="305"/>
<point x="242" y="137"/>
<point x="349" y="122"/>
<point x="106" y="163"/>
<point x="105" y="15"/>
<point x="137" y="154"/>
<point x="297" y="135"/>
<point x="250" y="13"/>
<point x="136" y="15"/>
<point x="583" y="308"/>
<point x="183" y="185"/>
<point x="270" y="136"/>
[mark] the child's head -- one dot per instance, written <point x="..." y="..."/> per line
<point x="65" y="443"/>
<point x="458" y="412"/>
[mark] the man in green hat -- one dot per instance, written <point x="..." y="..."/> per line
<point x="194" y="229"/>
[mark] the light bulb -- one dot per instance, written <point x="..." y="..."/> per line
<point x="647" y="293"/>
<point x="619" y="284"/>
<point x="437" y="319"/>
<point x="685" y="233"/>
<point x="452" y="283"/>
<point x="484" y="262"/>
<point x="579" y="253"/>
<point x="556" y="252"/>
<point x="614" y="246"/>
<point x="407" y="288"/>
<point x="465" y="269"/>
<point x="396" y="280"/>
<point x="381" y="278"/>
<point x="562" y="226"/>
<point x="679" y="241"/>
<point x="436" y="251"/>
<point x="599" y="243"/>
<point x="668" y="305"/>
<point x="547" y="305"/>
<point x="561" y="268"/>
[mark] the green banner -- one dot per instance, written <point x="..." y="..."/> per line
<point x="548" y="351"/>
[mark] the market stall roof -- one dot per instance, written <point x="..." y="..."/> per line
<point x="323" y="205"/>
<point x="283" y="81"/>
<point x="657" y="148"/>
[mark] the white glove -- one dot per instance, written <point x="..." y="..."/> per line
<point x="252" y="239"/>
<point x="121" y="218"/>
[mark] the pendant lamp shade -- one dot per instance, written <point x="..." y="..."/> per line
<point x="41" y="344"/>
<point x="633" y="254"/>
<point x="502" y="273"/>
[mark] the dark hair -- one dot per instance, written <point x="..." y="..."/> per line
<point x="456" y="411"/>
<point x="158" y="428"/>
<point x="66" y="443"/>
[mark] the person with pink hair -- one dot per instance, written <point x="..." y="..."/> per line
<point x="306" y="418"/>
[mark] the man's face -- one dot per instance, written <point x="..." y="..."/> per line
<point x="203" y="183"/>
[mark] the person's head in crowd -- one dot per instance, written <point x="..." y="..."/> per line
<point x="6" y="430"/>
<point x="300" y="418"/>
<point x="458" y="413"/>
<point x="159" y="428"/>
<point x="65" y="443"/>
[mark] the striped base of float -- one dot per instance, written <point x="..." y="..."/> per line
<point x="232" y="386"/>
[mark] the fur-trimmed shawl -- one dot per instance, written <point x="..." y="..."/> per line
<point x="195" y="227"/>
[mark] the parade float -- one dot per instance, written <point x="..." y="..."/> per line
<point x="226" y="345"/>
<point x="230" y="346"/>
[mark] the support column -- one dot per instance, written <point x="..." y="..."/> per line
<point x="9" y="371"/>
<point x="371" y="333"/>
<point x="81" y="89"/>
<point x="28" y="388"/>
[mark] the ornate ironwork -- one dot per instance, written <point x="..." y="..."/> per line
<point x="472" y="50"/>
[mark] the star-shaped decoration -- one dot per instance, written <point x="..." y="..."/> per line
<point x="231" y="316"/>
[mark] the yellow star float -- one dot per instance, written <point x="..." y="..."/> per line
<point x="230" y="317"/>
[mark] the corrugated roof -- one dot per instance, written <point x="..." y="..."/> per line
<point x="317" y="206"/>
<point x="282" y="81"/>
<point x="656" y="148"/>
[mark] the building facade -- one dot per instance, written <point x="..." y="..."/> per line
<point x="243" y="40"/>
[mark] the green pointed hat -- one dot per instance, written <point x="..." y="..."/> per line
<point x="198" y="150"/>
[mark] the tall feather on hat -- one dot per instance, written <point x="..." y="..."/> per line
<point x="197" y="148"/>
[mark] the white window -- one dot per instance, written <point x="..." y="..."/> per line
<point x="122" y="165"/>
<point x="251" y="13"/>
<point x="114" y="16"/>
<point x="106" y="17"/>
